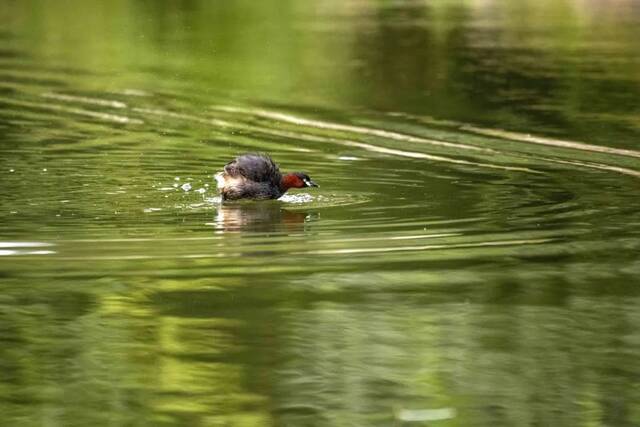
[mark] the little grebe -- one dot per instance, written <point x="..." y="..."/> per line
<point x="256" y="176"/>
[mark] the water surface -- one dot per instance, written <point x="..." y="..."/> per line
<point x="471" y="257"/>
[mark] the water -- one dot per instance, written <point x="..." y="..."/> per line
<point x="470" y="258"/>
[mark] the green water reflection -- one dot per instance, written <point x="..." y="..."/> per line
<point x="471" y="257"/>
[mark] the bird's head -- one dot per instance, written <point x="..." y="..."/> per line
<point x="297" y="180"/>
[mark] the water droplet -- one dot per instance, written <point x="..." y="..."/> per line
<point x="177" y="178"/>
<point x="201" y="190"/>
<point x="44" y="169"/>
<point x="12" y="170"/>
<point x="186" y="187"/>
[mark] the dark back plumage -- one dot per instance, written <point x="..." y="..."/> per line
<point x="254" y="167"/>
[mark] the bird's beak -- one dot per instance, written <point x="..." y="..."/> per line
<point x="310" y="183"/>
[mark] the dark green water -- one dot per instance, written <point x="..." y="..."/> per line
<point x="471" y="258"/>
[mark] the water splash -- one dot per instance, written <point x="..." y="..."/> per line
<point x="298" y="198"/>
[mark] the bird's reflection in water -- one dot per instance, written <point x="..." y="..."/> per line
<point x="263" y="216"/>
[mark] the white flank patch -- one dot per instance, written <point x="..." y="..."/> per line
<point x="219" y="179"/>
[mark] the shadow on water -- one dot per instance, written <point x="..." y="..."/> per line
<point x="263" y="216"/>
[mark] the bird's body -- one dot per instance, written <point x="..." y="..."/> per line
<point x="256" y="176"/>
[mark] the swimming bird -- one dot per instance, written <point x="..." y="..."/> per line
<point x="257" y="176"/>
